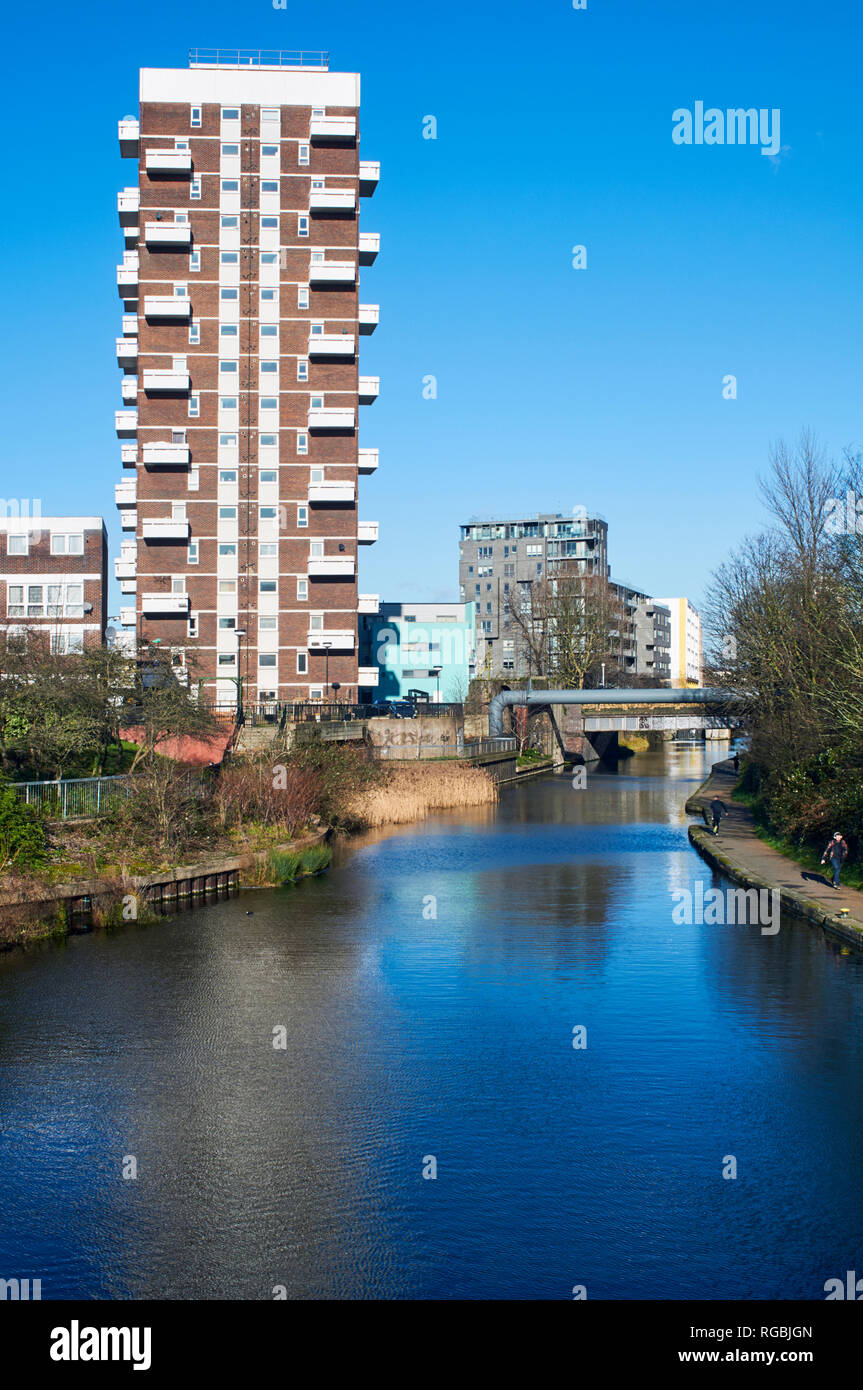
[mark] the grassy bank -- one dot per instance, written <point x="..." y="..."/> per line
<point x="411" y="792"/>
<point x="805" y="855"/>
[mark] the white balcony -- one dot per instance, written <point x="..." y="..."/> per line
<point x="168" y="234"/>
<point x="341" y="345"/>
<point x="329" y="493"/>
<point x="369" y="603"/>
<point x="129" y="519"/>
<point x="164" y="529"/>
<point x="125" y="568"/>
<point x="164" y="455"/>
<point x="127" y="617"/>
<point x="129" y="390"/>
<point x="340" y="639"/>
<point x="367" y="532"/>
<point x="128" y="206"/>
<point x="130" y="235"/>
<point x="129" y="455"/>
<point x="168" y="162"/>
<point x="369" y="316"/>
<point x="328" y="418"/>
<point x="370" y="172"/>
<point x="127" y="353"/>
<point x="332" y="273"/>
<point x="332" y="200"/>
<point x="370" y="245"/>
<point x="128" y="132"/>
<point x="167" y="306"/>
<point x="126" y="423"/>
<point x="171" y="605"/>
<point x="130" y="325"/>
<point x="166" y="382"/>
<point x="333" y="129"/>
<point x="128" y="586"/>
<point x="369" y="389"/>
<point x="126" y="493"/>
<point x="127" y="276"/>
<point x="368" y="675"/>
<point x="367" y="460"/>
<point x="331" y="567"/>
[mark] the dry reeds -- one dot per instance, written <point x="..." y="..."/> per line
<point x="409" y="793"/>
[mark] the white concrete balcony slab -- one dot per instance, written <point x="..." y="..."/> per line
<point x="128" y="132"/>
<point x="167" y="306"/>
<point x="130" y="325"/>
<point x="331" y="567"/>
<point x="168" y="234"/>
<point x="125" y="568"/>
<point x="368" y="675"/>
<point x="160" y="454"/>
<point x="370" y="172"/>
<point x="341" y="130"/>
<point x="130" y="236"/>
<point x="168" y="162"/>
<point x="127" y="617"/>
<point x="126" y="493"/>
<point x="367" y="532"/>
<point x="129" y="390"/>
<point x="129" y="519"/>
<point x="339" y="639"/>
<point x="369" y="603"/>
<point x="340" y="345"/>
<point x="166" y="382"/>
<point x="128" y="206"/>
<point x="127" y="353"/>
<point x="330" y="418"/>
<point x="369" y="389"/>
<point x="332" y="273"/>
<point x="127" y="276"/>
<point x="370" y="245"/>
<point x="369" y="317"/>
<point x="332" y="200"/>
<point x="128" y="586"/>
<point x="164" y="529"/>
<point x="129" y="455"/>
<point x="169" y="605"/>
<point x="330" y="493"/>
<point x="367" y="460"/>
<point x="126" y="423"/>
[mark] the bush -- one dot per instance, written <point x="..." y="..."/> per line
<point x="22" y="837"/>
<point x="267" y="791"/>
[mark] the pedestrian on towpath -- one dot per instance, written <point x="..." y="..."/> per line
<point x="836" y="852"/>
<point x="717" y="811"/>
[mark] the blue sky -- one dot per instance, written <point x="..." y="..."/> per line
<point x="556" y="387"/>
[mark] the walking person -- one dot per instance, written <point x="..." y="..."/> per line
<point x="836" y="852"/>
<point x="717" y="811"/>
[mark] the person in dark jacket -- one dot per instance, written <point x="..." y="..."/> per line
<point x="836" y="852"/>
<point x="717" y="811"/>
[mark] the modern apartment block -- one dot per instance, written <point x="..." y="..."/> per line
<point x="653" y="641"/>
<point x="417" y="647"/>
<point x="241" y="390"/>
<point x="53" y="579"/>
<point x="686" y="645"/>
<point x="498" y="556"/>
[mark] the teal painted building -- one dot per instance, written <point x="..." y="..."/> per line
<point x="426" y="647"/>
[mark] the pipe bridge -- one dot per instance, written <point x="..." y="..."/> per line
<point x="708" y="703"/>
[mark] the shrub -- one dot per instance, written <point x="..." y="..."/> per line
<point x="268" y="791"/>
<point x="22" y="837"/>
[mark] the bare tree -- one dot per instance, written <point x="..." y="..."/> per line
<point x="567" y="624"/>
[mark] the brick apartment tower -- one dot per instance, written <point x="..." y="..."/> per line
<point x="240" y="346"/>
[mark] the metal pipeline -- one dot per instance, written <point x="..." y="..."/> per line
<point x="686" y="696"/>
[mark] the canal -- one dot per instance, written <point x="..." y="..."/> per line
<point x="424" y="995"/>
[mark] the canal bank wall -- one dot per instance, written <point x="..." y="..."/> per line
<point x="738" y="853"/>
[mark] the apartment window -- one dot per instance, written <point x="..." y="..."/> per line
<point x="267" y="586"/>
<point x="227" y="513"/>
<point x="270" y="222"/>
<point x="302" y="155"/>
<point x="193" y="625"/>
<point x="269" y="257"/>
<point x="228" y="150"/>
<point x="17" y="545"/>
<point x="266" y="658"/>
<point x="316" y="475"/>
<point x="230" y="223"/>
<point x="269" y="366"/>
<point x="268" y="441"/>
<point x="227" y="475"/>
<point x="302" y="443"/>
<point x="194" y="260"/>
<point x="269" y="402"/>
<point x="302" y="369"/>
<point x="195" y="118"/>
<point x="268" y="296"/>
<point x="193" y="552"/>
<point x="230" y="258"/>
<point x="64" y="643"/>
<point x="227" y="623"/>
<point x="194" y="333"/>
<point x="302" y="296"/>
<point x="195" y="188"/>
<point x="227" y="659"/>
<point x="316" y="622"/>
<point x="194" y="479"/>
<point x="316" y="692"/>
<point x="181" y="145"/>
<point x="268" y="624"/>
<point x="229" y="294"/>
<point x="227" y="586"/>
<point x="269" y="330"/>
<point x="230" y="113"/>
<point x="228" y="366"/>
<point x="227" y="548"/>
<point x="229" y="330"/>
<point x="268" y="475"/>
<point x="302" y="663"/>
<point x="302" y="226"/>
<point x="194" y="405"/>
<point x="269" y="113"/>
<point x="269" y="151"/>
<point x="228" y="441"/>
<point x="15" y="601"/>
<point x="302" y="516"/>
<point x="269" y="185"/>
<point x="268" y="550"/>
<point x="302" y="590"/>
<point x="267" y="513"/>
<point x="230" y="185"/>
<point x="227" y="403"/>
<point x="67" y="544"/>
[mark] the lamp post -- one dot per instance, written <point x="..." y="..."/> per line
<point x="326" y="646"/>
<point x="436" y="671"/>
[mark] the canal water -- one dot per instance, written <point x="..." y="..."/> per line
<point x="426" y="991"/>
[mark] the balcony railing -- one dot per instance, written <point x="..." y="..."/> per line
<point x="158" y="381"/>
<point x="332" y="200"/>
<point x="168" y="234"/>
<point x="331" y="567"/>
<point x="367" y="532"/>
<point x="370" y="245"/>
<point x="171" y="605"/>
<point x="332" y="273"/>
<point x="128" y="131"/>
<point x="330" y="493"/>
<point x="369" y="603"/>
<point x="324" y="418"/>
<point x="369" y="389"/>
<point x="129" y="455"/>
<point x="126" y="423"/>
<point x="338" y="639"/>
<point x="164" y="529"/>
<point x="160" y="454"/>
<point x="125" y="493"/>
<point x="369" y="317"/>
<point x="128" y="204"/>
<point x="367" y="460"/>
<point x="168" y="162"/>
<point x="127" y="353"/>
<point x="333" y="129"/>
<point x="258" y="58"/>
<point x="342" y="345"/>
<point x="167" y="306"/>
<point x="370" y="172"/>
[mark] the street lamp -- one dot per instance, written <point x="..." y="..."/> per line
<point x="436" y="670"/>
<point x="326" y="646"/>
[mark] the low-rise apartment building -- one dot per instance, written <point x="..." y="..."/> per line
<point x="416" y="647"/>
<point x="686" y="642"/>
<point x="53" y="579"/>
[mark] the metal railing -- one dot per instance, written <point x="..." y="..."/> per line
<point x="260" y="57"/>
<point x="76" y="796"/>
<point x="472" y="748"/>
